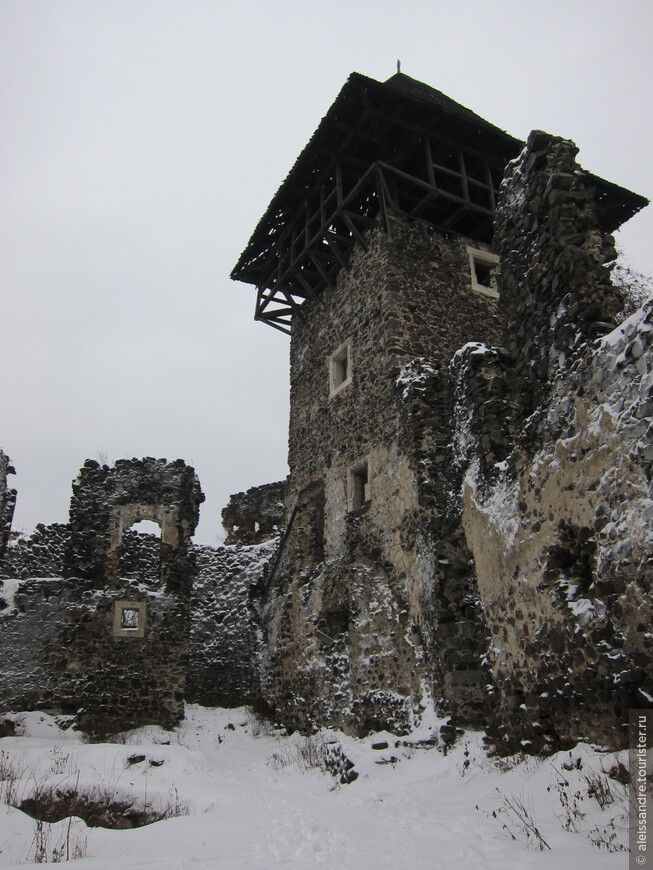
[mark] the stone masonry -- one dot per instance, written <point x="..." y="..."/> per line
<point x="469" y="511"/>
<point x="7" y="501"/>
<point x="109" y="640"/>
<point x="254" y="516"/>
<point x="58" y="640"/>
<point x="350" y="615"/>
<point x="469" y="500"/>
<point x="559" y="521"/>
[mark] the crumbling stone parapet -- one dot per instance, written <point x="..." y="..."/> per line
<point x="7" y="501"/>
<point x="108" y="501"/>
<point x="255" y="516"/>
<point x="555" y="288"/>
<point x="127" y="643"/>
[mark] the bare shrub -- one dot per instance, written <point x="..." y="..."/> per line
<point x="303" y="753"/>
<point x="259" y="723"/>
<point x="515" y="813"/>
<point x="634" y="287"/>
<point x="504" y="763"/>
<point x="599" y="787"/>
<point x="71" y="845"/>
<point x="607" y="837"/>
<point x="40" y="842"/>
<point x="570" y="801"/>
<point x="11" y="775"/>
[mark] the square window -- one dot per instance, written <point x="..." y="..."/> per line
<point x="358" y="486"/>
<point x="340" y="368"/>
<point x="483" y="267"/>
<point x="129" y="619"/>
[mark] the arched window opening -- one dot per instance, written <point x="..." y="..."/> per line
<point x="140" y="552"/>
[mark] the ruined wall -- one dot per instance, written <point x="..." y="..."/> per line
<point x="442" y="584"/>
<point x="109" y="640"/>
<point x="7" y="501"/>
<point x="350" y="610"/>
<point x="560" y="522"/>
<point x="197" y="605"/>
<point x="40" y="612"/>
<point x="225" y="637"/>
<point x="40" y="554"/>
<point x="255" y="516"/>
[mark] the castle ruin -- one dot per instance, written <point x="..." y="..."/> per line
<point x="467" y="517"/>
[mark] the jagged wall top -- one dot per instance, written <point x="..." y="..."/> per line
<point x="107" y="501"/>
<point x="556" y="290"/>
<point x="7" y="501"/>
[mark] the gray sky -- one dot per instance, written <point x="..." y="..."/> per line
<point x="141" y="140"/>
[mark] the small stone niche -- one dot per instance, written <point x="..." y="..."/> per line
<point x="359" y="492"/>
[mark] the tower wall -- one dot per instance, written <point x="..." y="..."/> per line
<point x="350" y="614"/>
<point x="407" y="296"/>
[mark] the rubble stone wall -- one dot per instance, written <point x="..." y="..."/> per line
<point x="255" y="516"/>
<point x="201" y="638"/>
<point x="225" y="639"/>
<point x="105" y="633"/>
<point x="7" y="501"/>
<point x="40" y="554"/>
<point x="560" y="522"/>
<point x="350" y="610"/>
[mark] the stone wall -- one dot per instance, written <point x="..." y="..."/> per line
<point x="7" y="501"/>
<point x="349" y="614"/>
<point x="105" y="634"/>
<point x="558" y="514"/>
<point x="504" y="451"/>
<point x="225" y="639"/>
<point x="443" y="583"/>
<point x="255" y="516"/>
<point x="108" y="501"/>
<point x="468" y="516"/>
<point x="201" y="636"/>
<point x="40" y="554"/>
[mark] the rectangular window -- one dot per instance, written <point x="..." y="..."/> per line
<point x="483" y="266"/>
<point x="340" y="368"/>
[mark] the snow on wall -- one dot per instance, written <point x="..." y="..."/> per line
<point x="560" y="522"/>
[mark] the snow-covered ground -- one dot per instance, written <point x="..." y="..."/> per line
<point x="247" y="801"/>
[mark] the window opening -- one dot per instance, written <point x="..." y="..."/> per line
<point x="140" y="552"/>
<point x="340" y="368"/>
<point x="483" y="266"/>
<point x="129" y="619"/>
<point x="146" y="527"/>
<point x="359" y="486"/>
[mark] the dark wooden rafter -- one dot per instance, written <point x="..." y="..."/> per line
<point x="335" y="213"/>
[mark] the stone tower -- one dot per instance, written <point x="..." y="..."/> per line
<point x="375" y="256"/>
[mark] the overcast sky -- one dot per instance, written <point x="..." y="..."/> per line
<point x="141" y="141"/>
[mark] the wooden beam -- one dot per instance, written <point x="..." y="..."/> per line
<point x="337" y="253"/>
<point x="354" y="230"/>
<point x="325" y="275"/>
<point x="297" y="274"/>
